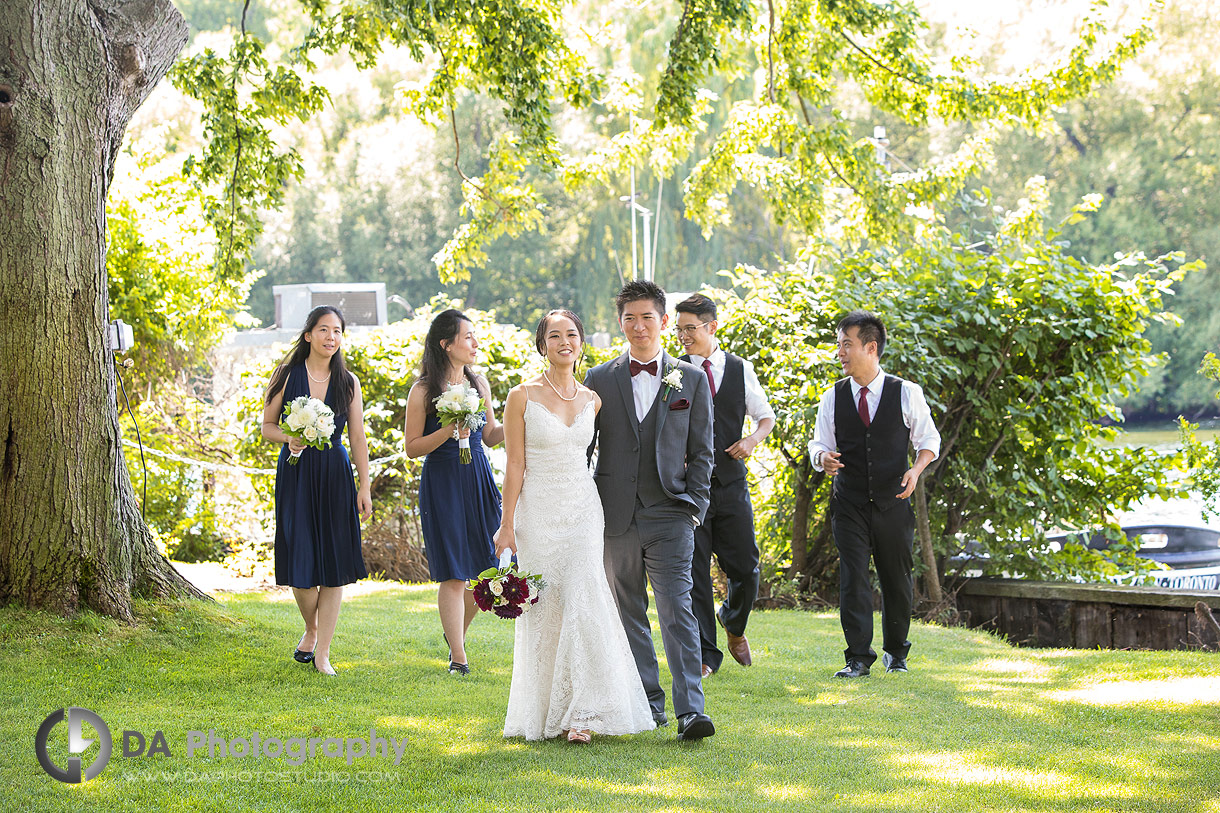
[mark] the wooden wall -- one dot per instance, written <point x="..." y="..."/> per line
<point x="1088" y="616"/>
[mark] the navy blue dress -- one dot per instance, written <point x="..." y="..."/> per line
<point x="317" y="525"/>
<point x="459" y="508"/>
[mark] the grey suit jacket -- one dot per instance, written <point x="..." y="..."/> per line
<point x="684" y="440"/>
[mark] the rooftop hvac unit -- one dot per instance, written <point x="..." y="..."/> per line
<point x="361" y="303"/>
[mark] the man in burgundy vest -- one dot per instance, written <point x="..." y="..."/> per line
<point x="865" y="424"/>
<point x="728" y="528"/>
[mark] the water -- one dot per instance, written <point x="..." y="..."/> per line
<point x="1163" y="436"/>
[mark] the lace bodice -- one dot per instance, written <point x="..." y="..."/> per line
<point x="554" y="450"/>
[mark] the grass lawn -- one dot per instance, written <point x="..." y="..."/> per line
<point x="976" y="726"/>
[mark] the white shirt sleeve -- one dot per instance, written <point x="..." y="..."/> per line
<point x="824" y="428"/>
<point x="917" y="416"/>
<point x="757" y="406"/>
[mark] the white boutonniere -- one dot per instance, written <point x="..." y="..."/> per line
<point x="672" y="381"/>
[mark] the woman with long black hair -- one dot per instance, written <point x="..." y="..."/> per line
<point x="459" y="504"/>
<point x="317" y="530"/>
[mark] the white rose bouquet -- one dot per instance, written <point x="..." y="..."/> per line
<point x="461" y="404"/>
<point x="310" y="421"/>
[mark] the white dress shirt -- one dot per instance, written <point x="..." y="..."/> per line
<point x="916" y="416"/>
<point x="757" y="406"/>
<point x="644" y="387"/>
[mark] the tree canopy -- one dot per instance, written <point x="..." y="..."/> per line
<point x="793" y="139"/>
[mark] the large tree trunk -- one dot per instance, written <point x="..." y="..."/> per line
<point x="72" y="73"/>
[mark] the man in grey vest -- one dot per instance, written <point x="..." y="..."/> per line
<point x="728" y="529"/>
<point x="654" y="468"/>
<point x="865" y="424"/>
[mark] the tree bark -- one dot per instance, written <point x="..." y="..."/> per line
<point x="924" y="530"/>
<point x="800" y="526"/>
<point x="72" y="73"/>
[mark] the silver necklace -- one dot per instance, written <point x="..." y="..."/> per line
<point x="575" y="392"/>
<point x="316" y="380"/>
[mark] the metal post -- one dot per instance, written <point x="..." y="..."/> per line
<point x="647" y="215"/>
<point x="634" y="263"/>
<point x="656" y="234"/>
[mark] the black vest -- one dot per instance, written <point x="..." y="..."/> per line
<point x="729" y="418"/>
<point x="874" y="457"/>
<point x="648" y="479"/>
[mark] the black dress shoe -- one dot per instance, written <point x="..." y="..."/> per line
<point x="695" y="726"/>
<point x="660" y="719"/>
<point x="893" y="664"/>
<point x="301" y="656"/>
<point x="854" y="669"/>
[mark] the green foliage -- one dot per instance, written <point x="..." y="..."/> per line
<point x="184" y="505"/>
<point x="1021" y="349"/>
<point x="692" y="51"/>
<point x="1148" y="143"/>
<point x="1203" y="459"/>
<point x="158" y="277"/>
<point x="793" y="140"/>
<point x="161" y="282"/>
<point x="242" y="95"/>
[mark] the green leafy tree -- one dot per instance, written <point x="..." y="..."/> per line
<point x="1021" y="349"/>
<point x="1202" y="458"/>
<point x="793" y="141"/>
<point x="1148" y="143"/>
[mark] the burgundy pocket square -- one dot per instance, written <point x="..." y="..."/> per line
<point x="683" y="404"/>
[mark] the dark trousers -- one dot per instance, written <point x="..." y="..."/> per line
<point x="728" y="532"/>
<point x="887" y="537"/>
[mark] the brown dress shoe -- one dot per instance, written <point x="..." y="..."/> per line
<point x="707" y="670"/>
<point x="739" y="648"/>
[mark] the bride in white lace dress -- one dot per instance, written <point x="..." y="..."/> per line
<point x="573" y="672"/>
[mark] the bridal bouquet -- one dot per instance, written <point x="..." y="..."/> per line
<point x="461" y="404"/>
<point x="310" y="421"/>
<point x="504" y="590"/>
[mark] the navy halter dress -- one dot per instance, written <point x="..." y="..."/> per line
<point x="317" y="525"/>
<point x="459" y="508"/>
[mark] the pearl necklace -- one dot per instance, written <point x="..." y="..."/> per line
<point x="576" y="390"/>
<point x="316" y="380"/>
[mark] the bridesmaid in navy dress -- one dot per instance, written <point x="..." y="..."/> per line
<point x="459" y="504"/>
<point x="317" y="530"/>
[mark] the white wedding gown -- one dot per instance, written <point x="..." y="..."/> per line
<point x="572" y="666"/>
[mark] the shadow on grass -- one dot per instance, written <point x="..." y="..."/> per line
<point x="976" y="725"/>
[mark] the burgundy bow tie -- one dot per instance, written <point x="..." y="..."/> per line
<point x="637" y="368"/>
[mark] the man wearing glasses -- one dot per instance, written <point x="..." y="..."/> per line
<point x="728" y="529"/>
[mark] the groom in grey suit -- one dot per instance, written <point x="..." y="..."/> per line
<point x="654" y="474"/>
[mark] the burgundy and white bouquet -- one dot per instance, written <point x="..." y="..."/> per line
<point x="309" y="420"/>
<point x="460" y="403"/>
<point x="505" y="590"/>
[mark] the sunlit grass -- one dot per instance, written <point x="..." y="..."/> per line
<point x="977" y="725"/>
